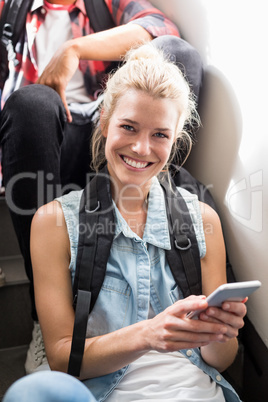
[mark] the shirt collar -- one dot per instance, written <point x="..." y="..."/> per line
<point x="156" y="230"/>
<point x="81" y="5"/>
<point x="37" y="4"/>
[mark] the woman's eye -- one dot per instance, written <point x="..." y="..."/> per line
<point x="161" y="135"/>
<point x="127" y="127"/>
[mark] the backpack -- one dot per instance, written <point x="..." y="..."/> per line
<point x="12" y="24"/>
<point x="96" y="208"/>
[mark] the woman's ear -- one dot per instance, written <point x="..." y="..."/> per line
<point x="179" y="128"/>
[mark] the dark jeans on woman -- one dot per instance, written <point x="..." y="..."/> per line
<point x="43" y="155"/>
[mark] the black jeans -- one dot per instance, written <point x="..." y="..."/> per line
<point x="43" y="155"/>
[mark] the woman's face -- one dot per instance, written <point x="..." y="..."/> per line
<point x="139" y="137"/>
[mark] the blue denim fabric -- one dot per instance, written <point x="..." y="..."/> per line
<point x="48" y="386"/>
<point x="137" y="275"/>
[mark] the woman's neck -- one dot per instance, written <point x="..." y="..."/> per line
<point x="133" y="205"/>
<point x="131" y="200"/>
<point x="135" y="216"/>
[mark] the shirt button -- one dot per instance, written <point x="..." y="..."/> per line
<point x="43" y="11"/>
<point x="218" y="377"/>
<point x="189" y="352"/>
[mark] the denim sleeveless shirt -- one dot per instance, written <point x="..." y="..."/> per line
<point x="137" y="275"/>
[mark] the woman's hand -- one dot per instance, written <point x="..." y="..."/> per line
<point x="221" y="354"/>
<point x="231" y="314"/>
<point x="171" y="330"/>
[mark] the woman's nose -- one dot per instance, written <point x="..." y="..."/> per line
<point x="141" y="146"/>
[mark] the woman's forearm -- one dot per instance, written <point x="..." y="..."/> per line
<point x="108" y="353"/>
<point x="220" y="355"/>
<point x="103" y="354"/>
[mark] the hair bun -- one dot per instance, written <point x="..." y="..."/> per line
<point x="145" y="51"/>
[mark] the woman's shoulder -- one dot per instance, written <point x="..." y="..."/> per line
<point x="209" y="215"/>
<point x="70" y="204"/>
<point x="47" y="215"/>
<point x="187" y="195"/>
<point x="48" y="229"/>
<point x="54" y="216"/>
<point x="71" y="199"/>
<point x="207" y="212"/>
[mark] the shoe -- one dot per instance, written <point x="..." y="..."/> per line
<point x="2" y="277"/>
<point x="36" y="355"/>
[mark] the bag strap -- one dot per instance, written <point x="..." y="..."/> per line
<point x="12" y="23"/>
<point x="184" y="246"/>
<point x="99" y="15"/>
<point x="96" y="219"/>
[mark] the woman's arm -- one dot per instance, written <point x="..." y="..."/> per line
<point x="213" y="265"/>
<point x="168" y="331"/>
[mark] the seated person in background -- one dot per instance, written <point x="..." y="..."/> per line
<point x="140" y="345"/>
<point x="46" y="129"/>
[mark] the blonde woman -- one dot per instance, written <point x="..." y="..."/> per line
<point x="140" y="344"/>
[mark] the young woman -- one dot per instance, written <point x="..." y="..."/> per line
<point x="140" y="344"/>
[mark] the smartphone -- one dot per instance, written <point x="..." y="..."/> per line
<point x="236" y="291"/>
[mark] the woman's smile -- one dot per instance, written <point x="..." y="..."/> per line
<point x="134" y="163"/>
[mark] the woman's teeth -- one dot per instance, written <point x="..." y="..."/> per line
<point x="138" y="165"/>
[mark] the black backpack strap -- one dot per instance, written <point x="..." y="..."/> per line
<point x="183" y="258"/>
<point x="96" y="220"/>
<point x="184" y="179"/>
<point x="99" y="15"/>
<point x="12" y="24"/>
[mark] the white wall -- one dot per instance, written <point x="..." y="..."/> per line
<point x="232" y="150"/>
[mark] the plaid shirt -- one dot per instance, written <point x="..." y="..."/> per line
<point x="140" y="12"/>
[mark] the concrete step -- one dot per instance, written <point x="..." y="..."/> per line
<point x="13" y="268"/>
<point x="15" y="317"/>
<point x="15" y="314"/>
<point x="11" y="366"/>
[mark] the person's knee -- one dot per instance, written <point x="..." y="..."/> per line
<point x="37" y="98"/>
<point x="46" y="386"/>
<point x="29" y="112"/>
<point x="186" y="58"/>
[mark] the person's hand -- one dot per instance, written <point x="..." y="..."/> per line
<point x="59" y="71"/>
<point x="231" y="314"/>
<point x="171" y="330"/>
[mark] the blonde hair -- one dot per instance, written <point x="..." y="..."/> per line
<point x="147" y="69"/>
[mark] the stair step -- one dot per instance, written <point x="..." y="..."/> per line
<point x="15" y="318"/>
<point x="12" y="362"/>
<point x="15" y="314"/>
<point x="13" y="268"/>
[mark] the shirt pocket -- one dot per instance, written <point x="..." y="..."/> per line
<point x="111" y="308"/>
<point x="175" y="294"/>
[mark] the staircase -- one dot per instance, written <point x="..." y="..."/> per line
<point x="15" y="316"/>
